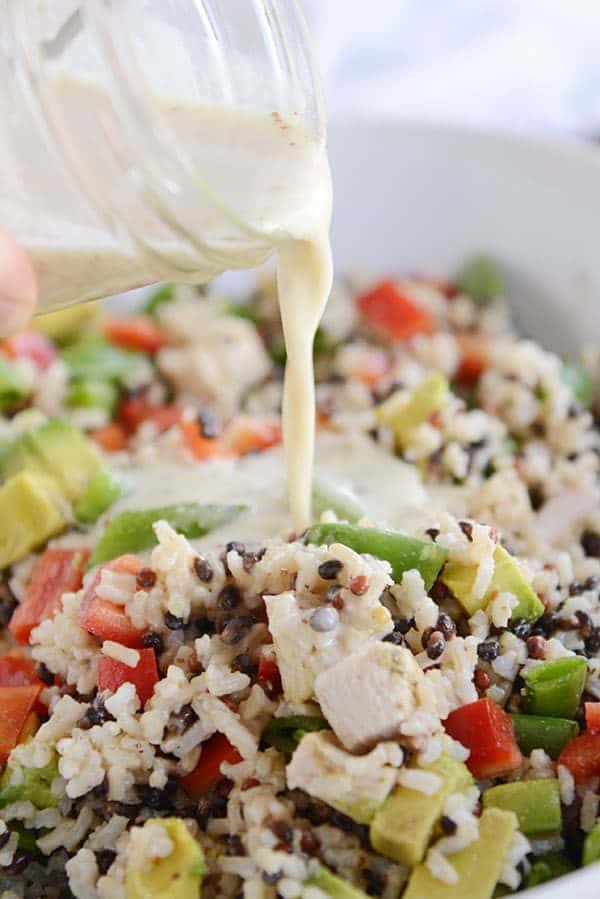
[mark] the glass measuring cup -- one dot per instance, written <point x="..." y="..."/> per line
<point x="133" y="146"/>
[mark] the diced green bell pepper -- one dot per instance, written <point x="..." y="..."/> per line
<point x="554" y="688"/>
<point x="103" y="490"/>
<point x="14" y="386"/>
<point x="480" y="279"/>
<point x="335" y="887"/>
<point x="163" y="295"/>
<point x="34" y="787"/>
<point x="285" y="733"/>
<point x="547" y="867"/>
<point x="91" y="394"/>
<point x="402" y="552"/>
<point x="328" y="496"/>
<point x="94" y="358"/>
<point x="536" y="803"/>
<point x="403" y="415"/>
<point x="591" y="845"/>
<point x="132" y="531"/>
<point x="577" y="378"/>
<point x="537" y="732"/>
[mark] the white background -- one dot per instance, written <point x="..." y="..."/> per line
<point x="523" y="64"/>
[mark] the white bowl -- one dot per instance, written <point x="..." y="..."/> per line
<point x="419" y="198"/>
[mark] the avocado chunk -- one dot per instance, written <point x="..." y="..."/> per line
<point x="402" y="828"/>
<point x="102" y="491"/>
<point x="334" y="886"/>
<point x="402" y="415"/>
<point x="34" y="786"/>
<point x="56" y="449"/>
<point x="507" y="578"/>
<point x="478" y="866"/>
<point x="66" y="323"/>
<point x="176" y="876"/>
<point x="31" y="511"/>
<point x="591" y="845"/>
<point x="536" y="803"/>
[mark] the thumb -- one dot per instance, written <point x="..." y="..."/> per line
<point x="18" y="287"/>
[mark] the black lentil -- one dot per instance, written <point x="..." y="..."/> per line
<point x="233" y="844"/>
<point x="273" y="877"/>
<point x="585" y="623"/>
<point x="173" y="622"/>
<point x="592" y="644"/>
<point x="203" y="569"/>
<point x="537" y="496"/>
<point x="180" y="721"/>
<point x="375" y="882"/>
<point x="20" y="861"/>
<point x="324" y="619"/>
<point x="439" y="592"/>
<point x="234" y="546"/>
<point x="154" y="641"/>
<point x="4" y="838"/>
<point x="448" y="825"/>
<point x="236" y="629"/>
<point x="104" y="859"/>
<point x="330" y="569"/>
<point x="344" y="822"/>
<point x="282" y="831"/>
<point x="446" y="626"/>
<point x="44" y="674"/>
<point x="434" y="533"/>
<point x="229" y="598"/>
<point x="204" y="626"/>
<point x="97" y="713"/>
<point x="435" y="645"/>
<point x="467" y="529"/>
<point x="145" y="578"/>
<point x="592" y="583"/>
<point x="521" y="629"/>
<point x="590" y="543"/>
<point x="575" y="588"/>
<point x="245" y="664"/>
<point x="488" y="650"/>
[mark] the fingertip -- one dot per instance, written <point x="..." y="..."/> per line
<point x="18" y="287"/>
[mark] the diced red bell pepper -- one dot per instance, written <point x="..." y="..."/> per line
<point x="135" y="410"/>
<point x="474" y="357"/>
<point x="269" y="676"/>
<point x="135" y="332"/>
<point x="207" y="772"/>
<point x="30" y="345"/>
<point x="112" y="438"/>
<point x="487" y="731"/>
<point x="249" y="435"/>
<point x="16" y="705"/>
<point x="18" y="671"/>
<point x="105" y="619"/>
<point x="57" y="571"/>
<point x="391" y="314"/>
<point x="592" y="717"/>
<point x="112" y="673"/>
<point x="201" y="447"/>
<point x="582" y="757"/>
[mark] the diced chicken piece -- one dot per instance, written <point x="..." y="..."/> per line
<point x="355" y="785"/>
<point x="302" y="652"/>
<point x="370" y="695"/>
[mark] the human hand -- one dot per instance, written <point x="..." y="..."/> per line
<point x="18" y="287"/>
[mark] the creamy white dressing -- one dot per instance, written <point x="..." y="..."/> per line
<point x="389" y="489"/>
<point x="272" y="176"/>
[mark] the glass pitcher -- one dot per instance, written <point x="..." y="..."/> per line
<point x="109" y="174"/>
